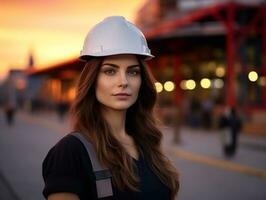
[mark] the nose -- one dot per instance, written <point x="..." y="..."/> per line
<point x="123" y="82"/>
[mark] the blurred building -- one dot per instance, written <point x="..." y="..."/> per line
<point x="58" y="82"/>
<point x="18" y="88"/>
<point x="209" y="54"/>
<point x="13" y="88"/>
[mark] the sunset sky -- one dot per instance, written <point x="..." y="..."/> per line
<point x="53" y="30"/>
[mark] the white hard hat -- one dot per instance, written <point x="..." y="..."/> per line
<point x="115" y="35"/>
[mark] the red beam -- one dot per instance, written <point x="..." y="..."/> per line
<point x="213" y="11"/>
<point x="184" y="20"/>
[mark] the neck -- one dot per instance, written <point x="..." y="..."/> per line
<point x="116" y="120"/>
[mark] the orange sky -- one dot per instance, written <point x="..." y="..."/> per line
<point x="53" y="29"/>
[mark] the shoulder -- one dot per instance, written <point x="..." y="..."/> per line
<point x="67" y="168"/>
<point x="67" y="153"/>
<point x="69" y="144"/>
<point x="68" y="141"/>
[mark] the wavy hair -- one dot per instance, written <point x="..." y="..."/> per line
<point x="140" y="125"/>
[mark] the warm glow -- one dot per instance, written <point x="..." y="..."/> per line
<point x="262" y="81"/>
<point x="169" y="86"/>
<point x="253" y="76"/>
<point x="158" y="87"/>
<point x="190" y="84"/>
<point x="53" y="30"/>
<point x="220" y="71"/>
<point x="205" y="83"/>
<point x="55" y="87"/>
<point x="71" y="94"/>
<point x="183" y="84"/>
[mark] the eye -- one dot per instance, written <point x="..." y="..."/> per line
<point x="134" y="72"/>
<point x="109" y="71"/>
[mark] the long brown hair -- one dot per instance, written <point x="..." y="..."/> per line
<point x="140" y="124"/>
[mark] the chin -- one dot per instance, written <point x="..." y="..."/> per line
<point x="119" y="107"/>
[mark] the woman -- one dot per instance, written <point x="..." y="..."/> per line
<point x="113" y="111"/>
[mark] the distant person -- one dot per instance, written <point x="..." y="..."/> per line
<point x="231" y="124"/>
<point x="10" y="110"/>
<point x="194" y="115"/>
<point x="115" y="149"/>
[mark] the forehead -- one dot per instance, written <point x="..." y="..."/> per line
<point x="123" y="60"/>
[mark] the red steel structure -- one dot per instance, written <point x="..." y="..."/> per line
<point x="226" y="15"/>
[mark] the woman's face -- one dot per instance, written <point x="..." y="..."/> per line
<point x="118" y="82"/>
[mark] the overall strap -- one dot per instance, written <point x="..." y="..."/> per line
<point x="102" y="174"/>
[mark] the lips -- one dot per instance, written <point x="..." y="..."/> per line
<point x="122" y="94"/>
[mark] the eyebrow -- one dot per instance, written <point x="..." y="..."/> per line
<point x="117" y="66"/>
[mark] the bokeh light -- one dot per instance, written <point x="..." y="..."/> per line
<point x="205" y="83"/>
<point x="158" y="87"/>
<point x="262" y="81"/>
<point x="169" y="86"/>
<point x="218" y="83"/>
<point x="253" y="76"/>
<point x="220" y="71"/>
<point x="190" y="84"/>
<point x="183" y="85"/>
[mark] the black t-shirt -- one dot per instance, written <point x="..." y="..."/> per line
<point x="67" y="168"/>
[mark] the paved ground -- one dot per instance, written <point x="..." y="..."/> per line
<point x="204" y="172"/>
<point x="207" y="174"/>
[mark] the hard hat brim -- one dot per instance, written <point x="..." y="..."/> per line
<point x="88" y="57"/>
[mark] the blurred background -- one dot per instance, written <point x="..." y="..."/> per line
<point x="210" y="70"/>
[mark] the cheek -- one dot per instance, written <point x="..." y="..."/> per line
<point x="102" y="88"/>
<point x="136" y="86"/>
